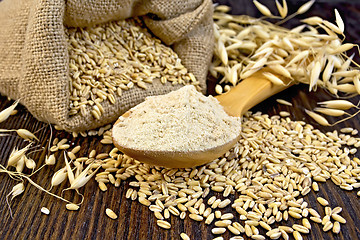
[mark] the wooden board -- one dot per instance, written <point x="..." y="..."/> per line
<point x="135" y="220"/>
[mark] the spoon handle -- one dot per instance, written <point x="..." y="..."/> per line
<point x="249" y="92"/>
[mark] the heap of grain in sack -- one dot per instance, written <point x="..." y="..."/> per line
<point x="115" y="57"/>
<point x="87" y="62"/>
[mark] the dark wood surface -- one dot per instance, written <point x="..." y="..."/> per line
<point x="135" y="220"/>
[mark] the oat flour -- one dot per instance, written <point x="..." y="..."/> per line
<point x="183" y="120"/>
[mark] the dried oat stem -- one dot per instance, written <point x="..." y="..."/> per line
<point x="37" y="170"/>
<point x="347" y="118"/>
<point x="304" y="8"/>
<point x="19" y="176"/>
<point x="4" y="114"/>
<point x="8" y="204"/>
<point x="302" y="53"/>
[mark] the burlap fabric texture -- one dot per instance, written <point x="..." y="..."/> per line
<point x="34" y="62"/>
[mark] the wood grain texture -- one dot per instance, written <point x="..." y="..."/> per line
<point x="135" y="220"/>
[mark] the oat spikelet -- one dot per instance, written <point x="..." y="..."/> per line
<point x="79" y="168"/>
<point x="304" y="8"/>
<point x="330" y="32"/>
<point x="302" y="55"/>
<point x="332" y="87"/>
<point x="26" y="134"/>
<point x="339" y="21"/>
<point x="222" y="52"/>
<point x="222" y="8"/>
<point x="233" y="46"/>
<point x="233" y="75"/>
<point x="297" y="29"/>
<point x="216" y="31"/>
<point x="274" y="79"/>
<point x="16" y="155"/>
<point x="314" y="76"/>
<point x="17" y="190"/>
<point x="70" y="173"/>
<point x="283" y="10"/>
<point x="259" y="64"/>
<point x="347" y="88"/>
<point x="284" y="102"/>
<point x="23" y="133"/>
<point x="248" y="73"/>
<point x="330" y="112"/>
<point x="288" y="44"/>
<point x="318" y="118"/>
<point x="20" y="164"/>
<point x="350" y="73"/>
<point x="83" y="178"/>
<point x="312" y="20"/>
<point x="29" y="163"/>
<point x="332" y="26"/>
<point x="338" y="104"/>
<point x="356" y="82"/>
<point x="328" y="71"/>
<point x="347" y="63"/>
<point x="343" y="48"/>
<point x="59" y="177"/>
<point x="14" y="112"/>
<point x="280" y="70"/>
<point x="4" y="114"/>
<point x="50" y="160"/>
<point x="262" y="8"/>
<point x="18" y="175"/>
<point x="265" y="51"/>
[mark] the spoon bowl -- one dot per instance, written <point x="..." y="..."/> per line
<point x="236" y="102"/>
<point x="176" y="159"/>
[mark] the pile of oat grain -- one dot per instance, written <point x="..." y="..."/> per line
<point x="275" y="164"/>
<point x="108" y="59"/>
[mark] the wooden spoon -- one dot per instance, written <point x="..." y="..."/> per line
<point x="236" y="102"/>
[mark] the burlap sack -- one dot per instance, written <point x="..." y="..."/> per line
<point x="34" y="57"/>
